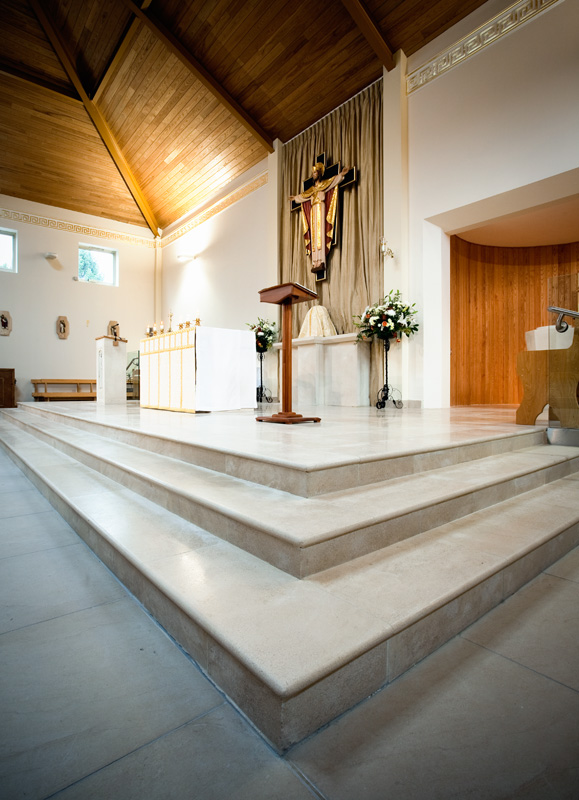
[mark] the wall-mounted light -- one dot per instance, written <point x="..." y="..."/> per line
<point x="186" y="257"/>
<point x="50" y="256"/>
<point x="384" y="249"/>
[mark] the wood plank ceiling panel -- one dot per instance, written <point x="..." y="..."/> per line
<point x="26" y="51"/>
<point x="52" y="154"/>
<point x="92" y="30"/>
<point x="181" y="143"/>
<point x="288" y="64"/>
<point x="411" y="24"/>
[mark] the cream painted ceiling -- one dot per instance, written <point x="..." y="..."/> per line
<point x="550" y="224"/>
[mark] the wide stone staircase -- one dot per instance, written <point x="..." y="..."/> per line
<point x="302" y="590"/>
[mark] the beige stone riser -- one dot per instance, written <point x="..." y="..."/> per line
<point x="268" y="544"/>
<point x="291" y="478"/>
<point x="287" y="719"/>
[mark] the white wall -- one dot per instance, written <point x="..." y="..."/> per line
<point x="43" y="290"/>
<point x="504" y="118"/>
<point x="233" y="262"/>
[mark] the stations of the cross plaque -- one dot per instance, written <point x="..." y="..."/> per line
<point x="318" y="204"/>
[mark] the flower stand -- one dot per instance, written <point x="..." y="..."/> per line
<point x="263" y="394"/>
<point x="387" y="392"/>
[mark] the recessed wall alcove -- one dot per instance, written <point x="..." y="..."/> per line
<point x="496" y="294"/>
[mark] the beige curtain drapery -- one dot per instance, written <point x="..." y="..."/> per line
<point x="352" y="134"/>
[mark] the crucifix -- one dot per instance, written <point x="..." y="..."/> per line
<point x="318" y="204"/>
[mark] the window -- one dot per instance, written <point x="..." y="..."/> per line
<point x="8" y="261"/>
<point x="98" y="265"/>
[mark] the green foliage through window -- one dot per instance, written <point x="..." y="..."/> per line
<point x="88" y="269"/>
<point x="97" y="265"/>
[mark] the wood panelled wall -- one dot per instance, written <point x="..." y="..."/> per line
<point x="498" y="293"/>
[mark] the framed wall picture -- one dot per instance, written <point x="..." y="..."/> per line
<point x="5" y="323"/>
<point x="62" y="327"/>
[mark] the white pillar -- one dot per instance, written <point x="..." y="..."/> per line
<point x="396" y="209"/>
<point x="158" y="282"/>
<point x="274" y="204"/>
<point x="436" y="316"/>
<point x="274" y="201"/>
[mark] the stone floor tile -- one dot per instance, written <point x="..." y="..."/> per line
<point x="567" y="567"/>
<point x="215" y="757"/>
<point x="7" y="467"/>
<point x="50" y="583"/>
<point x="27" y="501"/>
<point x="31" y="532"/>
<point x="82" y="691"/>
<point x="538" y="627"/>
<point x="466" y="723"/>
<point x="13" y="483"/>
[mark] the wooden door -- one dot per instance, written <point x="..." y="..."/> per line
<point x="7" y="392"/>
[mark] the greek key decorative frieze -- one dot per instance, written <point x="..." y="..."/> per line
<point x="84" y="230"/>
<point x="73" y="227"/>
<point x="221" y="205"/>
<point x="482" y="37"/>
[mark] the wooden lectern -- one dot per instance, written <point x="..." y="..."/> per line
<point x="286" y="295"/>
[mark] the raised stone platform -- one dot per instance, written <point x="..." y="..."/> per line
<point x="299" y="606"/>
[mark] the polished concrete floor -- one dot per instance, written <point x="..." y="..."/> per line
<point x="98" y="702"/>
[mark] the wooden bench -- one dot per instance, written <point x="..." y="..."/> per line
<point x="85" y="389"/>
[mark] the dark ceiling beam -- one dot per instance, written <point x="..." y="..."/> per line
<point x="119" y="54"/>
<point x="210" y="83"/>
<point x="369" y="30"/>
<point x="35" y="80"/>
<point x="97" y="118"/>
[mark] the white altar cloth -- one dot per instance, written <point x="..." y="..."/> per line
<point x="198" y="369"/>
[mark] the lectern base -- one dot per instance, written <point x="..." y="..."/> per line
<point x="288" y="418"/>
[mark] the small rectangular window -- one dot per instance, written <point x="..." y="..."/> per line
<point x="98" y="265"/>
<point x="8" y="261"/>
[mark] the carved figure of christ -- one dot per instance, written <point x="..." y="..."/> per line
<point x="318" y="204"/>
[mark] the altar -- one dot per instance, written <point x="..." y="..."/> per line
<point x="198" y="369"/>
<point x="330" y="370"/>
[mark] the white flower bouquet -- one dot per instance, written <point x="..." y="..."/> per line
<point x="265" y="334"/>
<point x="388" y="319"/>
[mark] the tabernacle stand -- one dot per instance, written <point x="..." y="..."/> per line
<point x="286" y="295"/>
<point x="111" y="383"/>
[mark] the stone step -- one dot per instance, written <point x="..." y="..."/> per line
<point x="293" y="654"/>
<point x="301" y="470"/>
<point x="299" y="535"/>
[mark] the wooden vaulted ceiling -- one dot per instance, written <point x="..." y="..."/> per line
<point x="141" y="111"/>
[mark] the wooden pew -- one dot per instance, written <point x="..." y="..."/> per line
<point x="84" y="389"/>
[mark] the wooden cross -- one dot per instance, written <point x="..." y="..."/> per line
<point x="330" y="172"/>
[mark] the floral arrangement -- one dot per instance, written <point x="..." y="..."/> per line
<point x="265" y="334"/>
<point x="388" y="319"/>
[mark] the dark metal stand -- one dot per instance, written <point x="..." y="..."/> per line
<point x="387" y="392"/>
<point x="263" y="394"/>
